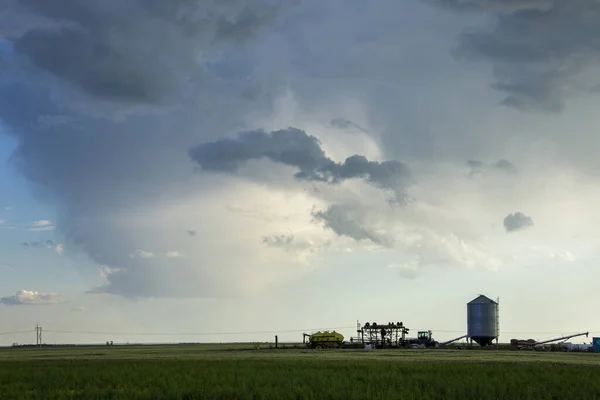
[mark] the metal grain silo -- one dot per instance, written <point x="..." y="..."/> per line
<point x="482" y="320"/>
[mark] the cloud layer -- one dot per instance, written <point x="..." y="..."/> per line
<point x="93" y="47"/>
<point x="104" y="94"/>
<point x="542" y="51"/>
<point x="307" y="126"/>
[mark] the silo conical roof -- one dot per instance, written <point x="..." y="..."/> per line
<point x="481" y="299"/>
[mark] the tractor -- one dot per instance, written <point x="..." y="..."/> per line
<point x="322" y="340"/>
<point x="424" y="339"/>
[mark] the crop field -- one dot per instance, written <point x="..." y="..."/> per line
<point x="245" y="372"/>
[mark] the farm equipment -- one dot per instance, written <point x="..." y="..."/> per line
<point x="322" y="340"/>
<point x="424" y="339"/>
<point x="521" y="342"/>
<point x="531" y="344"/>
<point x="453" y="340"/>
<point x="577" y="346"/>
<point x="391" y="335"/>
<point x="382" y="335"/>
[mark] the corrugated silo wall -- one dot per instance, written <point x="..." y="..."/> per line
<point x="483" y="320"/>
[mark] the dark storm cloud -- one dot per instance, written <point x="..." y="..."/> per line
<point x="517" y="222"/>
<point x="94" y="67"/>
<point x="109" y="49"/>
<point x="296" y="148"/>
<point x="289" y="146"/>
<point x="542" y="52"/>
<point x="480" y="168"/>
<point x="504" y="166"/>
<point x="76" y="70"/>
<point x="499" y="5"/>
<point x="344" y="222"/>
<point x="342" y="123"/>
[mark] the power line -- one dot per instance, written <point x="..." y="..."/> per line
<point x="547" y="333"/>
<point x="194" y="333"/>
<point x="59" y="331"/>
<point x="13" y="333"/>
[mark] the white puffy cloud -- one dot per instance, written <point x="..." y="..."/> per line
<point x="30" y="297"/>
<point x="141" y="254"/>
<point x="104" y="271"/>
<point x="6" y="225"/>
<point x="41" y="225"/>
<point x="564" y="256"/>
<point x="41" y="222"/>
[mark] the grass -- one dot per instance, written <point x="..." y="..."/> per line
<point x="240" y="372"/>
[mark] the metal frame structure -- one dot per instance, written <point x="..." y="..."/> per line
<point x="382" y="335"/>
<point x="559" y="339"/>
<point x="38" y="335"/>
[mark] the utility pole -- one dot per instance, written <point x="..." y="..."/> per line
<point x="38" y="335"/>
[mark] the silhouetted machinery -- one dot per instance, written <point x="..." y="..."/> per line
<point x="531" y="344"/>
<point x="424" y="339"/>
<point x="393" y="335"/>
<point x="321" y="340"/>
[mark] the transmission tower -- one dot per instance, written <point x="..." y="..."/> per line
<point x="38" y="335"/>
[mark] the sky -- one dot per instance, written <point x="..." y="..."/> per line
<point x="228" y="171"/>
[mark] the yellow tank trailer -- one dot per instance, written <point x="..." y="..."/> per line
<point x="321" y="340"/>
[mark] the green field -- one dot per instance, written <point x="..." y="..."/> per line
<point x="243" y="372"/>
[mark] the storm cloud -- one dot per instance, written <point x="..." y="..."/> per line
<point x="344" y="222"/>
<point x="497" y="5"/>
<point x="342" y="123"/>
<point x="542" y="52"/>
<point x="517" y="222"/>
<point x="294" y="147"/>
<point x="114" y="105"/>
<point x="478" y="168"/>
<point x="108" y="49"/>
<point x="132" y="82"/>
